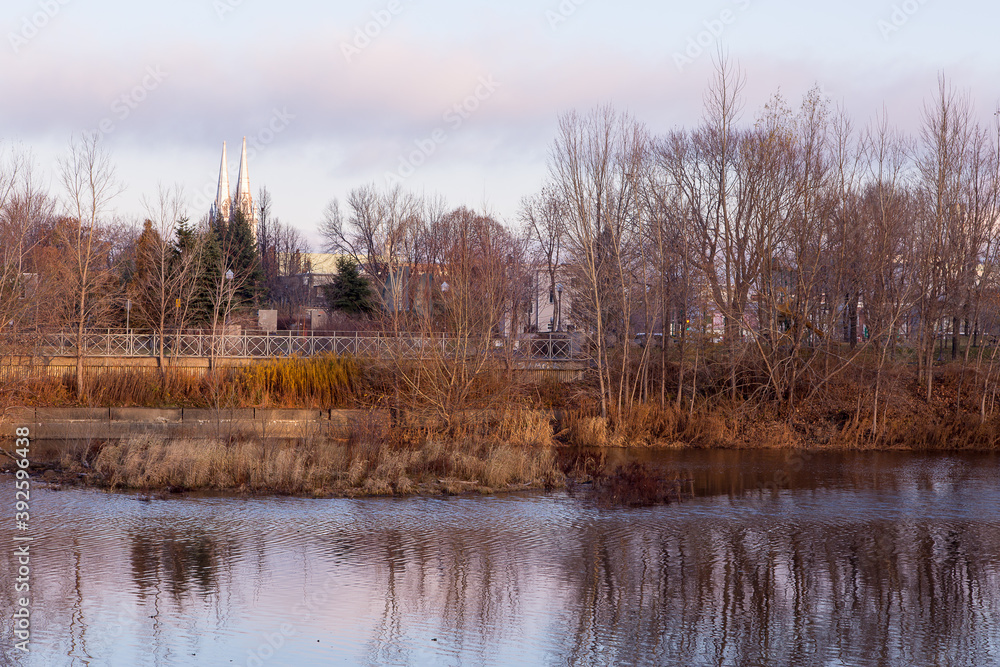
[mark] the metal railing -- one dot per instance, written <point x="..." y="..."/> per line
<point x="263" y="345"/>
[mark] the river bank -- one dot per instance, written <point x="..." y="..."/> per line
<point x="308" y="456"/>
<point x="343" y="398"/>
<point x="542" y="437"/>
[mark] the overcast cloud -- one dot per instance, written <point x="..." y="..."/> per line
<point x="326" y="107"/>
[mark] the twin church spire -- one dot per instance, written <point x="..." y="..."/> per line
<point x="225" y="205"/>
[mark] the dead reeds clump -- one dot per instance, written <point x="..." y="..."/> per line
<point x="149" y="387"/>
<point x="357" y="466"/>
<point x="323" y="381"/>
<point x="648" y="425"/>
<point x="523" y="428"/>
<point x="586" y="431"/>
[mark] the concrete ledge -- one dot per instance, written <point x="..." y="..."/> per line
<point x="346" y="417"/>
<point x="43" y="415"/>
<point x="146" y="415"/>
<point x="209" y="415"/>
<point x="280" y="414"/>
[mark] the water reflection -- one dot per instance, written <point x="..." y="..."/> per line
<point x="184" y="563"/>
<point x="853" y="560"/>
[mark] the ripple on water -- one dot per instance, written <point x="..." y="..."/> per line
<point x="874" y="564"/>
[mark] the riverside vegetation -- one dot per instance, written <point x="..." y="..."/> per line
<point x="507" y="436"/>
<point x="774" y="277"/>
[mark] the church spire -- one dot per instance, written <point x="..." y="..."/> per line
<point x="244" y="200"/>
<point x="223" y="199"/>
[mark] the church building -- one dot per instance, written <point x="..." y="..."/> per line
<point x="225" y="204"/>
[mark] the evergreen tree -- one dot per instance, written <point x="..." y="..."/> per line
<point x="208" y="277"/>
<point x="186" y="240"/>
<point x="144" y="280"/>
<point x="349" y="291"/>
<point x="243" y="258"/>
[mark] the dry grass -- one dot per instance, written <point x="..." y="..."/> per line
<point x="315" y="382"/>
<point x="358" y="466"/>
<point x="324" y="381"/>
<point x="928" y="432"/>
<point x="649" y="425"/>
<point x="141" y="387"/>
<point x="521" y="428"/>
<point x="35" y="391"/>
<point x="587" y="432"/>
<point x="903" y="426"/>
<point x="841" y="416"/>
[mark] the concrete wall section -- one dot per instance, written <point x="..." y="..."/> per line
<point x="196" y="423"/>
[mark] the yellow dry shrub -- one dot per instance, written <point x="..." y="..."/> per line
<point x="322" y="381"/>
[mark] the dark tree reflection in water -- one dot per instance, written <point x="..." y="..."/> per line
<point x="854" y="560"/>
<point x="873" y="593"/>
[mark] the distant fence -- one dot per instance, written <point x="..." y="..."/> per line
<point x="263" y="345"/>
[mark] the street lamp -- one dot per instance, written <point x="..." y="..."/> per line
<point x="559" y="290"/>
<point x="229" y="298"/>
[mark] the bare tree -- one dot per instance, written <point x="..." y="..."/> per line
<point x="461" y="357"/>
<point x="543" y="216"/>
<point x="90" y="184"/>
<point x="380" y="234"/>
<point x="596" y="164"/>
<point x="666" y="232"/>
<point x="950" y="240"/>
<point x="289" y="254"/>
<point x="165" y="277"/>
<point x="736" y="190"/>
<point x="21" y="208"/>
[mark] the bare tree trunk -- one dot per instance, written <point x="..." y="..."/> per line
<point x="88" y="178"/>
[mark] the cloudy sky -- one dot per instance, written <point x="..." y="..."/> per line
<point x="453" y="97"/>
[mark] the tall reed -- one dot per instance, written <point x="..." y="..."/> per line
<point x="324" y="381"/>
<point x="324" y="467"/>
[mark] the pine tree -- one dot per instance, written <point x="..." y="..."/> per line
<point x="242" y="257"/>
<point x="186" y="239"/>
<point x="144" y="280"/>
<point x="208" y="278"/>
<point x="349" y="291"/>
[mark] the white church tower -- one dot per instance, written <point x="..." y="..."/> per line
<point x="244" y="200"/>
<point x="225" y="205"/>
<point x="223" y="202"/>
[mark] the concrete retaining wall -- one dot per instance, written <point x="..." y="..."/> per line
<point x="67" y="424"/>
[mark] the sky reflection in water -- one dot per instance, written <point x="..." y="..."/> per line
<point x="860" y="559"/>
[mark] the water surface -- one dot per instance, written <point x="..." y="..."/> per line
<point x="857" y="559"/>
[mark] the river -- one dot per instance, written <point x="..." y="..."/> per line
<point x="781" y="559"/>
